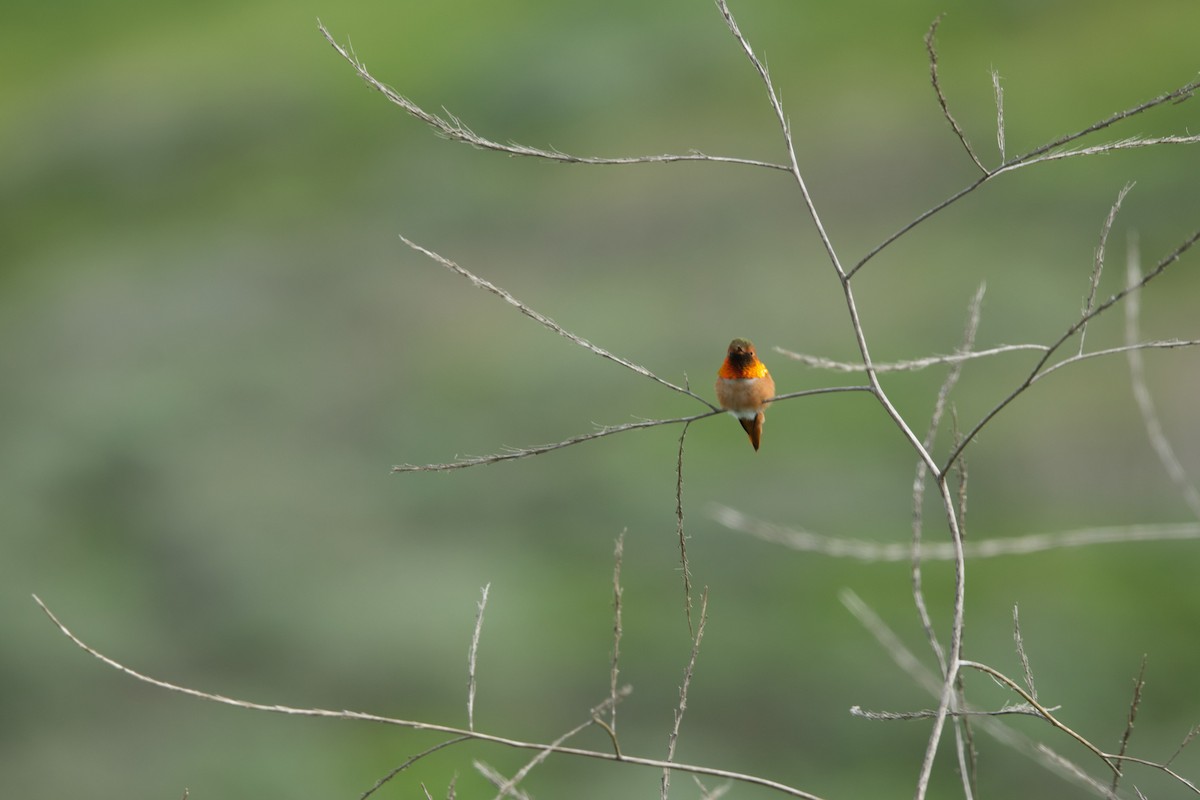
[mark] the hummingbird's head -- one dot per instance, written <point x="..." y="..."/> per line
<point x="741" y="351"/>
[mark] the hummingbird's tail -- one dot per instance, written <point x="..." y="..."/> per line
<point x="754" y="428"/>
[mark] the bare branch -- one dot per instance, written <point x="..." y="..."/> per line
<point x="1182" y="93"/>
<point x="1098" y="263"/>
<point x="497" y="779"/>
<point x="925" y="678"/>
<point x="909" y="365"/>
<point x="950" y="683"/>
<point x="453" y="128"/>
<point x="683" y="559"/>
<point x="862" y="550"/>
<point x="1110" y="760"/>
<point x="998" y="91"/>
<point x="915" y="364"/>
<point x="1139" y="683"/>
<point x="928" y="713"/>
<point x="516" y="453"/>
<point x="891" y="643"/>
<point x="712" y="794"/>
<point x="471" y="657"/>
<point x="827" y="243"/>
<point x="920" y="479"/>
<point x="1186" y="741"/>
<point x="1100" y="308"/>
<point x="1035" y="157"/>
<point x="683" y="694"/>
<point x="527" y="452"/>
<point x="1132" y="143"/>
<point x="615" y="669"/>
<point x="1141" y="391"/>
<point x="931" y="49"/>
<point x="1021" y="654"/>
<point x="414" y="759"/>
<point x="360" y="716"/>
<point x="509" y="786"/>
<point x="549" y="323"/>
<point x="964" y="747"/>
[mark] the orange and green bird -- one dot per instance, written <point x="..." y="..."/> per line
<point x="745" y="388"/>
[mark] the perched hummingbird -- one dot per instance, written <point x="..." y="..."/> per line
<point x="745" y="388"/>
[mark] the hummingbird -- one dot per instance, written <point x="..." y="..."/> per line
<point x="745" y="388"/>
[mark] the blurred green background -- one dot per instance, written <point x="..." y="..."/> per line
<point x="213" y="348"/>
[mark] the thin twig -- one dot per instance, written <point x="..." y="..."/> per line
<point x="963" y="746"/>
<point x="517" y="453"/>
<point x="683" y="559"/>
<point x="912" y="365"/>
<point x="1019" y="641"/>
<point x="1100" y="308"/>
<point x="961" y="473"/>
<point x="683" y="694"/>
<point x="547" y="322"/>
<point x="497" y="779"/>
<point x="1131" y="143"/>
<point x="1138" y="684"/>
<point x="714" y="793"/>
<point x="920" y="479"/>
<point x="1186" y="741"/>
<point x="904" y="658"/>
<point x="931" y="49"/>
<point x="1035" y="156"/>
<point x="510" y="786"/>
<point x="1141" y="390"/>
<point x="471" y="657"/>
<point x="360" y="716"/>
<point x="1023" y="710"/>
<point x="826" y="242"/>
<point x="1110" y="760"/>
<point x="412" y="760"/>
<point x="867" y="551"/>
<point x="998" y="91"/>
<point x="453" y="128"/>
<point x="615" y="667"/>
<point x="1098" y="263"/>
<point x="946" y="702"/>
<point x="1164" y="344"/>
<point x="964" y="734"/>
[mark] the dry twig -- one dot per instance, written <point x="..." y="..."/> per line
<point x="683" y="694"/>
<point x="471" y="654"/>
<point x="998" y="92"/>
<point x="1111" y="760"/>
<point x="683" y="559"/>
<point x="1139" y="683"/>
<point x="1098" y="264"/>
<point x="1141" y="391"/>
<point x="408" y="763"/>
<point x="1038" y="371"/>
<point x="361" y="716"/>
<point x="453" y="128"/>
<point x="1052" y="151"/>
<point x="867" y="551"/>
<point x="615" y="665"/>
<point x="931" y="49"/>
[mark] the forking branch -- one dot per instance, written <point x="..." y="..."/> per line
<point x="945" y="685"/>
<point x="461" y="733"/>
<point x="453" y="128"/>
<point x="1057" y="149"/>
